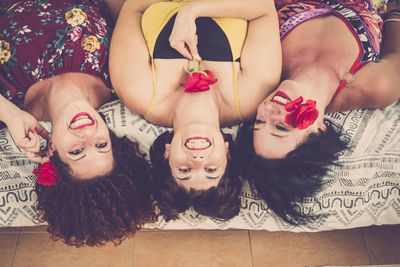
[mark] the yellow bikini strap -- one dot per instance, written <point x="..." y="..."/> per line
<point x="236" y="92"/>
<point x="153" y="100"/>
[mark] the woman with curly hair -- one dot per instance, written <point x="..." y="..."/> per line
<point x="152" y="45"/>
<point x="54" y="67"/>
<point x="332" y="61"/>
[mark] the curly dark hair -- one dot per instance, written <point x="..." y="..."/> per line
<point x="221" y="202"/>
<point x="105" y="208"/>
<point x="283" y="182"/>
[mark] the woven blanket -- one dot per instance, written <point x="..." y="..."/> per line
<point x="363" y="191"/>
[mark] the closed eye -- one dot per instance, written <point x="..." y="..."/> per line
<point x="256" y="123"/>
<point x="281" y="128"/>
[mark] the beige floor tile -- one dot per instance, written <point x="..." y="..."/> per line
<point x="192" y="249"/>
<point x="383" y="243"/>
<point x="345" y="247"/>
<point x="8" y="244"/>
<point x="38" y="250"/>
<point x="9" y="230"/>
<point x="34" y="229"/>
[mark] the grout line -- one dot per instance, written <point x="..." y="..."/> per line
<point x="251" y="249"/>
<point x="16" y="247"/>
<point x="366" y="246"/>
<point x="133" y="249"/>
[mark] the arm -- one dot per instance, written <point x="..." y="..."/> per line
<point x="183" y="36"/>
<point x="24" y="129"/>
<point x="261" y="61"/>
<point x="130" y="68"/>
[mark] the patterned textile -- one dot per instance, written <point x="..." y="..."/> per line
<point x="359" y="15"/>
<point x="43" y="38"/>
<point x="364" y="191"/>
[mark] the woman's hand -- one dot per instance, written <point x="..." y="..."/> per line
<point x="26" y="132"/>
<point x="183" y="37"/>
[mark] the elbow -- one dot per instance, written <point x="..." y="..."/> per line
<point x="385" y="92"/>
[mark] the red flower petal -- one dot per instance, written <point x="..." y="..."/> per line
<point x="292" y="105"/>
<point x="46" y="174"/>
<point x="196" y="82"/>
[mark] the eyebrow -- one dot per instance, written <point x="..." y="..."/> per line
<point x="85" y="154"/>
<point x="188" y="178"/>
<point x="279" y="136"/>
<point x="184" y="178"/>
<point x="100" y="151"/>
<point x="78" y="158"/>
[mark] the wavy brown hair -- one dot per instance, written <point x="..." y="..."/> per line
<point x="102" y="209"/>
<point x="281" y="183"/>
<point x="221" y="202"/>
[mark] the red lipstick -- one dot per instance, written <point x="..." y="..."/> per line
<point x="197" y="143"/>
<point x="78" y="117"/>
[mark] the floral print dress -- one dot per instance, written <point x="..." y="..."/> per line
<point x="43" y="38"/>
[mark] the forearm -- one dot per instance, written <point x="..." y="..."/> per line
<point x="244" y="9"/>
<point x="7" y="109"/>
<point x="390" y="48"/>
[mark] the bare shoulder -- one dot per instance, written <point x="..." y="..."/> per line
<point x="138" y="99"/>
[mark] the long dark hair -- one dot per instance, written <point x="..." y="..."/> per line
<point x="283" y="182"/>
<point x="101" y="209"/>
<point x="221" y="202"/>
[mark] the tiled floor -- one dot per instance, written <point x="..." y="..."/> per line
<point x="31" y="246"/>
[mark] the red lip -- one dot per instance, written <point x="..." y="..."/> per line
<point x="281" y="94"/>
<point x="197" y="138"/>
<point x="83" y="125"/>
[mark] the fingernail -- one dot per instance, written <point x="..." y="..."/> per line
<point x="36" y="130"/>
<point x="30" y="131"/>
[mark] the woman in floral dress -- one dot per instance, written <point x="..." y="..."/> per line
<point x="54" y="67"/>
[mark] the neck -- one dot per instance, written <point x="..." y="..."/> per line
<point x="65" y="89"/>
<point x="196" y="108"/>
<point x="315" y="82"/>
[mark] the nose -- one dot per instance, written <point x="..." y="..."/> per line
<point x="198" y="158"/>
<point x="86" y="132"/>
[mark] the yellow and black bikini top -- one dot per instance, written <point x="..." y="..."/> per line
<point x="219" y="39"/>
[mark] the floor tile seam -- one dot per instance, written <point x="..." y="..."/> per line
<point x="366" y="246"/>
<point x="133" y="251"/>
<point x="251" y="249"/>
<point x="16" y="247"/>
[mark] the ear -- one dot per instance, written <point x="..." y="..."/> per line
<point x="227" y="145"/>
<point x="167" y="150"/>
<point x="228" y="153"/>
<point x="50" y="149"/>
<point x="321" y="126"/>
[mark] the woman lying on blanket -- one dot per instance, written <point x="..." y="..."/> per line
<point x="53" y="57"/>
<point x="332" y="61"/>
<point x="153" y="48"/>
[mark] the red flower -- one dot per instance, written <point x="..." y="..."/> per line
<point x="197" y="81"/>
<point x="301" y="116"/>
<point x="46" y="174"/>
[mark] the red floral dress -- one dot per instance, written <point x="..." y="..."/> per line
<point x="43" y="38"/>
